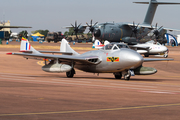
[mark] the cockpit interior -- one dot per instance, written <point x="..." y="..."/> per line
<point x="115" y="46"/>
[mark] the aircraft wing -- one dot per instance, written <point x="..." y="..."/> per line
<point x="157" y="59"/>
<point x="140" y="47"/>
<point x="14" y="27"/>
<point x="67" y="27"/>
<point x="64" y="53"/>
<point x="91" y="60"/>
<point x="151" y="27"/>
<point x="141" y="25"/>
<point x="170" y="29"/>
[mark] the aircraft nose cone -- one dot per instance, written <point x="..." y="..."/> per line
<point x="164" y="48"/>
<point x="97" y="33"/>
<point x="132" y="58"/>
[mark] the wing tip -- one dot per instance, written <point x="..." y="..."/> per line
<point x="9" y="53"/>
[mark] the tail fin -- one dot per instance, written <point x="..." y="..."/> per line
<point x="26" y="47"/>
<point x="98" y="44"/>
<point x="106" y="42"/>
<point x="152" y="9"/>
<point x="65" y="47"/>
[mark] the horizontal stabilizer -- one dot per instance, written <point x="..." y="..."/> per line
<point x="155" y="2"/>
<point x="64" y="53"/>
<point x="157" y="59"/>
<point x="140" y="47"/>
<point x="141" y="2"/>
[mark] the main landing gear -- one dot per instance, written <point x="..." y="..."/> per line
<point x="125" y="74"/>
<point x="71" y="73"/>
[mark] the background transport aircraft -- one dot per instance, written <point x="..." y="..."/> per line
<point x="129" y="33"/>
<point x="148" y="48"/>
<point x="112" y="58"/>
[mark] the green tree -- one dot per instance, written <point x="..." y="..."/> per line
<point x="66" y="33"/>
<point x="23" y="33"/>
<point x="43" y="32"/>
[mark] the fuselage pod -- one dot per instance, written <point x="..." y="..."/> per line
<point x="56" y="68"/>
<point x="144" y="70"/>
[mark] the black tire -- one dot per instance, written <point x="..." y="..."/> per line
<point x="118" y="76"/>
<point x="71" y="73"/>
<point x="48" y="41"/>
<point x="146" y="55"/>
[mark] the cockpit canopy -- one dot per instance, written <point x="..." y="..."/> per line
<point x="115" y="46"/>
<point x="153" y="42"/>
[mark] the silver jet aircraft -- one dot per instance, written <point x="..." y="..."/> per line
<point x="112" y="58"/>
<point x="149" y="48"/>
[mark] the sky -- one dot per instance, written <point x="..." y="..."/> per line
<point x="55" y="14"/>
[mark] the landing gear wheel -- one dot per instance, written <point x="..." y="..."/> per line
<point x="165" y="54"/>
<point x="71" y="73"/>
<point x="118" y="75"/>
<point x="146" y="55"/>
<point x="127" y="76"/>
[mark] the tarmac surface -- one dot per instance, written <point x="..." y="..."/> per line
<point x="28" y="93"/>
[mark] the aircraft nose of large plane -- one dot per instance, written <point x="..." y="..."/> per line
<point x="132" y="58"/>
<point x="97" y="33"/>
<point x="164" y="48"/>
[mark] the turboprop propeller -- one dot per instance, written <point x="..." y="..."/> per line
<point x="134" y="29"/>
<point x="91" y="26"/>
<point x="76" y="28"/>
<point x="156" y="32"/>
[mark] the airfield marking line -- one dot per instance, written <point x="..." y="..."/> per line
<point x="93" y="110"/>
<point x="104" y="86"/>
<point x="160" y="92"/>
<point x="17" y="77"/>
<point x="11" y="74"/>
<point x="132" y="85"/>
<point x="171" y="61"/>
<point x="70" y="81"/>
<point x="115" y="81"/>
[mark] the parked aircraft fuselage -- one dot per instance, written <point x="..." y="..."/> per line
<point x="116" y="32"/>
<point x="113" y="61"/>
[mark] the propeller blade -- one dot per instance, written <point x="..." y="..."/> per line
<point x="75" y="24"/>
<point x="95" y="24"/>
<point x="87" y="24"/>
<point x="91" y="26"/>
<point x="72" y="25"/>
<point x="160" y="28"/>
<point x="78" y="25"/>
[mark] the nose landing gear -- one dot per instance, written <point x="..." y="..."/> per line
<point x="125" y="74"/>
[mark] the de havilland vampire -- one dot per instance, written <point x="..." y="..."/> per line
<point x="112" y="58"/>
<point x="130" y="33"/>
